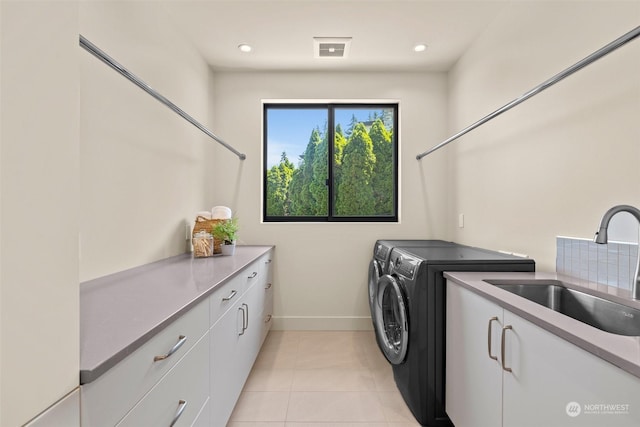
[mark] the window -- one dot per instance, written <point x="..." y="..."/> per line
<point x="353" y="178"/>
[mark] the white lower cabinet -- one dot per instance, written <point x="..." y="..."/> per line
<point x="551" y="378"/>
<point x="226" y="375"/>
<point x="473" y="393"/>
<point x="543" y="380"/>
<point x="204" y="417"/>
<point x="236" y="337"/>
<point x="267" y="306"/>
<point x="211" y="349"/>
<point x="111" y="396"/>
<point x="177" y="399"/>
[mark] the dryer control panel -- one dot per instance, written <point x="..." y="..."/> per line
<point x="403" y="264"/>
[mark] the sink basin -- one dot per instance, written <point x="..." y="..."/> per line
<point x="598" y="312"/>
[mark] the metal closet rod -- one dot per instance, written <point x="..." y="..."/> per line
<point x="100" y="54"/>
<point x="536" y="90"/>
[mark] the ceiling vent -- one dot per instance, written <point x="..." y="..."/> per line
<point x="331" y="47"/>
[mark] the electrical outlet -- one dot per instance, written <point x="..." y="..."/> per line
<point x="461" y="220"/>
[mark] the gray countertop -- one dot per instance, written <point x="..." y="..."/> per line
<point x="122" y="311"/>
<point x="622" y="351"/>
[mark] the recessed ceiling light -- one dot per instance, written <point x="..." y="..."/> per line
<point x="245" y="47"/>
<point x="420" y="47"/>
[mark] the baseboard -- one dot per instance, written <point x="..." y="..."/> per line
<point x="321" y="323"/>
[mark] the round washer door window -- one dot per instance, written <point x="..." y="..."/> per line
<point x="392" y="323"/>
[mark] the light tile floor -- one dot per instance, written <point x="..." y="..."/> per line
<point x="321" y="379"/>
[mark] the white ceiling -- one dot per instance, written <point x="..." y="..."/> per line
<point x="384" y="32"/>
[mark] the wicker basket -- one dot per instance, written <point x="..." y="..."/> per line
<point x="204" y="224"/>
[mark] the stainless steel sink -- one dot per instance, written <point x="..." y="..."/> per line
<point x="598" y="312"/>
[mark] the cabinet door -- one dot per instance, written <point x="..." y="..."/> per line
<point x="253" y="304"/>
<point x="473" y="395"/>
<point x="555" y="383"/>
<point x="236" y="339"/>
<point x="204" y="417"/>
<point x="226" y="374"/>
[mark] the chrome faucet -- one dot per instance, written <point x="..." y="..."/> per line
<point x="602" y="238"/>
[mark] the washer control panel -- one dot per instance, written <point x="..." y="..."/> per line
<point x="403" y="264"/>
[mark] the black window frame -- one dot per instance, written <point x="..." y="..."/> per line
<point x="331" y="106"/>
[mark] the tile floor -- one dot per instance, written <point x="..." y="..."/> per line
<point x="321" y="379"/>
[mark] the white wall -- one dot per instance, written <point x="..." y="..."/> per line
<point x="144" y="169"/>
<point x="554" y="164"/>
<point x="39" y="207"/>
<point x="321" y="269"/>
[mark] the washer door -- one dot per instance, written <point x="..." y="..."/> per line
<point x="392" y="322"/>
<point x="374" y="275"/>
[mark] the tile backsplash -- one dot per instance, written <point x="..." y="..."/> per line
<point x="613" y="264"/>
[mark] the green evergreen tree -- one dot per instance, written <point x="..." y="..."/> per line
<point x="286" y="172"/>
<point x="352" y="124"/>
<point x="338" y="152"/>
<point x="338" y="145"/>
<point x="303" y="202"/>
<point x="387" y="119"/>
<point x="278" y="181"/>
<point x="354" y="194"/>
<point x="382" y="179"/>
<point x="275" y="202"/>
<point x="318" y="185"/>
<point x="295" y="189"/>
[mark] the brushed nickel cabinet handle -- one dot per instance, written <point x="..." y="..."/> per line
<point x="231" y="295"/>
<point x="182" y="404"/>
<point x="181" y="340"/>
<point x="254" y="274"/>
<point x="494" y="318"/>
<point x="246" y="324"/>
<point x="241" y="308"/>
<point x="268" y="319"/>
<point x="268" y="286"/>
<point x="502" y="351"/>
<point x="268" y="261"/>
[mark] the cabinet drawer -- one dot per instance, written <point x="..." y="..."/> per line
<point x="266" y="263"/>
<point x="107" y="399"/>
<point x="225" y="297"/>
<point x="266" y="302"/>
<point x="253" y="274"/>
<point x="180" y="395"/>
<point x="267" y="311"/>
